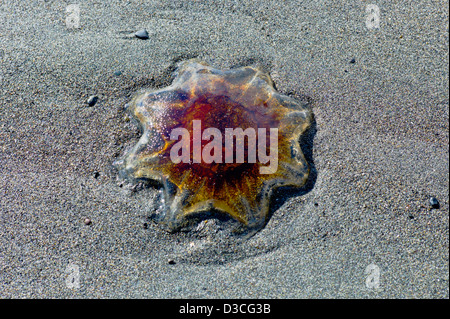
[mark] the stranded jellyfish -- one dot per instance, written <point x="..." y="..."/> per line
<point x="218" y="142"/>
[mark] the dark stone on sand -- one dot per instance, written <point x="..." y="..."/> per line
<point x="92" y="100"/>
<point x="434" y="202"/>
<point x="141" y="34"/>
<point x="171" y="262"/>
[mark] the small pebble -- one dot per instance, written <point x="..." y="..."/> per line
<point x="92" y="100"/>
<point x="171" y="262"/>
<point x="141" y="34"/>
<point x="87" y="221"/>
<point x="434" y="202"/>
<point x="96" y="175"/>
<point x="352" y="60"/>
<point x="117" y="73"/>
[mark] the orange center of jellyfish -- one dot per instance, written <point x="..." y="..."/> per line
<point x="221" y="113"/>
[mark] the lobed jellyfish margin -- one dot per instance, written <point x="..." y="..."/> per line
<point x="225" y="187"/>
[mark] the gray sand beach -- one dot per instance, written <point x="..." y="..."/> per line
<point x="379" y="150"/>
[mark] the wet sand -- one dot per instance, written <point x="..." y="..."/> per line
<point x="378" y="149"/>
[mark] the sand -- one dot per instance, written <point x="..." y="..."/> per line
<point x="379" y="150"/>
